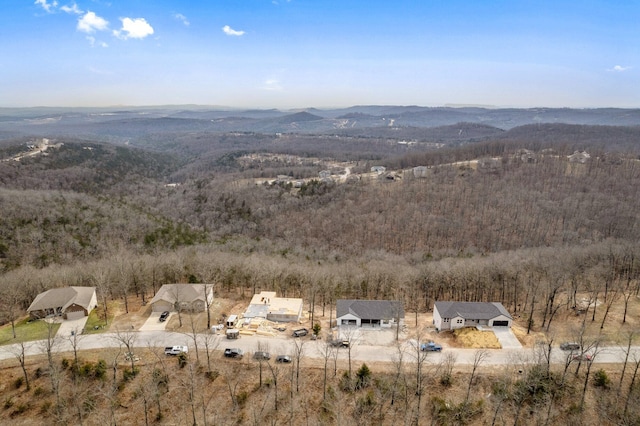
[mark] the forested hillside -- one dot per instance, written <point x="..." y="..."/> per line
<point x="482" y="210"/>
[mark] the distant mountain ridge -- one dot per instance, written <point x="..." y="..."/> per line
<point x="136" y="122"/>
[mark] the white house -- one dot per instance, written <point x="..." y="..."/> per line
<point x="369" y="313"/>
<point x="69" y="302"/>
<point x="452" y="315"/>
<point x="187" y="297"/>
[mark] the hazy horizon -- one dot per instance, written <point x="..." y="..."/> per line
<point x="298" y="54"/>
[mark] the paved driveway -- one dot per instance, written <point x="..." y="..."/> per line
<point x="67" y="326"/>
<point x="153" y="322"/>
<point x="506" y="337"/>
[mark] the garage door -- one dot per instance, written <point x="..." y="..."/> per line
<point x="75" y="315"/>
<point x="501" y="323"/>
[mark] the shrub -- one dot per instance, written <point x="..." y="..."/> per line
<point x="182" y="359"/>
<point x="20" y="408"/>
<point x="363" y="377"/>
<point x="601" y="379"/>
<point x="100" y="369"/>
<point x="8" y="403"/>
<point x="129" y="374"/>
<point x="242" y="397"/>
<point x="17" y="383"/>
<point x="38" y="391"/>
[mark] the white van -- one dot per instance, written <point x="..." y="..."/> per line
<point x="232" y="321"/>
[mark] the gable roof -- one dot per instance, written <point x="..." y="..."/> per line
<point x="184" y="293"/>
<point x="63" y="297"/>
<point x="472" y="310"/>
<point x="370" y="309"/>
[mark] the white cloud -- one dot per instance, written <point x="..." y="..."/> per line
<point x="47" y="6"/>
<point x="272" y="85"/>
<point x="231" y="32"/>
<point x="92" y="41"/>
<point x="90" y="23"/>
<point x="180" y="17"/>
<point x="133" y="28"/>
<point x="72" y="8"/>
<point x="619" y="68"/>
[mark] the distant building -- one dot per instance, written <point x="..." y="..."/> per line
<point x="369" y="313"/>
<point x="579" y="157"/>
<point x="187" y="297"/>
<point x="452" y="315"/>
<point x="378" y="169"/>
<point x="68" y="302"/>
<point x="282" y="309"/>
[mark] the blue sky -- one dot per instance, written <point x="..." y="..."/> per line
<point x="320" y="53"/>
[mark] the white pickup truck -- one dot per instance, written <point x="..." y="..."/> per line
<point x="175" y="350"/>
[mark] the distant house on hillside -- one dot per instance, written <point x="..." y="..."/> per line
<point x="186" y="297"/>
<point x="452" y="315"/>
<point x="68" y="302"/>
<point x="369" y="313"/>
<point x="579" y="157"/>
<point x="378" y="169"/>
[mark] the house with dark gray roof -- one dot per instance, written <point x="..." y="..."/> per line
<point x="452" y="315"/>
<point x="68" y="302"/>
<point x="369" y="313"/>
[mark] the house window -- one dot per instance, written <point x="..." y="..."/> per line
<point x="445" y="319"/>
<point x="459" y="321"/>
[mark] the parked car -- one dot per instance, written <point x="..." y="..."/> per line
<point x="175" y="350"/>
<point x="583" y="357"/>
<point x="430" y="347"/>
<point x="283" y="358"/>
<point x="261" y="355"/>
<point x="233" y="353"/>
<point x="164" y="316"/>
<point x="570" y="346"/>
<point x="300" y="332"/>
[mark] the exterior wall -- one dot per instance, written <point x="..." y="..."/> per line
<point x="94" y="303"/>
<point x="75" y="312"/>
<point x="437" y="320"/>
<point x="348" y="317"/>
<point x="161" y="306"/>
<point x="500" y="318"/>
<point x="456" y="322"/>
<point x="283" y="317"/>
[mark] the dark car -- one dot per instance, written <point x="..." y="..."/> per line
<point x="261" y="356"/>
<point x="300" y="332"/>
<point x="233" y="353"/>
<point x="283" y="358"/>
<point x="164" y="316"/>
<point x="570" y="346"/>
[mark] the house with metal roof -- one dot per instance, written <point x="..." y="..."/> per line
<point x="68" y="302"/>
<point x="369" y="313"/>
<point x="452" y="315"/>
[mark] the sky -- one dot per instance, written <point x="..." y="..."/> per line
<point x="320" y="53"/>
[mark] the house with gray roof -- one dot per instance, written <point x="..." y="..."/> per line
<point x="369" y="313"/>
<point x="452" y="315"/>
<point x="67" y="302"/>
<point x="184" y="297"/>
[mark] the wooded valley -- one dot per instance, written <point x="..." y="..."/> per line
<point x="532" y="216"/>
